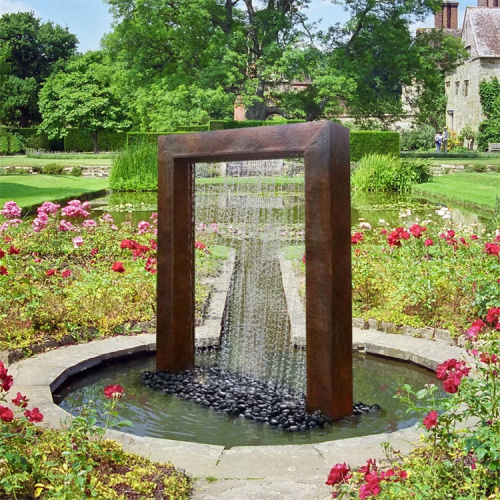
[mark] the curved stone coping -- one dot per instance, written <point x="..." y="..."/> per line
<point x="39" y="375"/>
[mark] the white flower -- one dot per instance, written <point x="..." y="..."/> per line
<point x="382" y="222"/>
<point x="365" y="225"/>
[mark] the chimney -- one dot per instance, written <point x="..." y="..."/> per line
<point x="239" y="109"/>
<point x="448" y="17"/>
<point x="482" y="3"/>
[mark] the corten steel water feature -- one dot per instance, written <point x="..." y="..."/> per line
<point x="325" y="148"/>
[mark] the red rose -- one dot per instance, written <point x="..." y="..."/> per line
<point x="113" y="391"/>
<point x="51" y="272"/>
<point x="66" y="273"/>
<point x="2" y="253"/>
<point x="34" y="415"/>
<point x="6" y="414"/>
<point x="3" y="371"/>
<point x="339" y="473"/>
<point x="118" y="267"/>
<point x="430" y="420"/>
<point x="20" y="400"/>
<point x="3" y="271"/>
<point x="428" y="242"/>
<point x="7" y="383"/>
<point x="13" y="251"/>
<point x="94" y="251"/>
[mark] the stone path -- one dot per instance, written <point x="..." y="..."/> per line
<point x="271" y="472"/>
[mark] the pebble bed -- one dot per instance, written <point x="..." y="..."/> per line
<point x="242" y="396"/>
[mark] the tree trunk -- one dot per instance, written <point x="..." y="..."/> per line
<point x="24" y="118"/>
<point x="94" y="142"/>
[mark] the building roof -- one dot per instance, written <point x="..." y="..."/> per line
<point x="482" y="25"/>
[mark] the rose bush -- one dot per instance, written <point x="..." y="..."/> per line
<point x="75" y="462"/>
<point x="459" y="456"/>
<point x="435" y="273"/>
<point x="82" y="277"/>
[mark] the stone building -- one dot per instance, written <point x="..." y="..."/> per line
<point x="481" y="36"/>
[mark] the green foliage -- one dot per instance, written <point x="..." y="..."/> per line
<point x="371" y="141"/>
<point x="232" y="124"/>
<point x="10" y="142"/>
<point x="53" y="169"/>
<point x="34" y="50"/>
<point x="489" y="129"/>
<point x="80" y="140"/>
<point x="76" y="171"/>
<point x="83" y="97"/>
<point x="136" y="168"/>
<point x="421" y="138"/>
<point x="68" y="463"/>
<point x="93" y="301"/>
<point x="389" y="173"/>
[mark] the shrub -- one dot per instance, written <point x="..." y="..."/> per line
<point x="417" y="139"/>
<point x="136" y="168"/>
<point x="458" y="455"/>
<point x="366" y="142"/>
<point x="80" y="140"/>
<point x="76" y="171"/>
<point x="53" y="169"/>
<point x="378" y="172"/>
<point x="207" y="170"/>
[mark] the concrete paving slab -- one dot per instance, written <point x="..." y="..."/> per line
<point x="291" y="461"/>
<point x="231" y="489"/>
<point x="356" y="451"/>
<point x="199" y="460"/>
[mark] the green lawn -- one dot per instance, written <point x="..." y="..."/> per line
<point x="32" y="190"/>
<point x="475" y="189"/>
<point x="24" y="161"/>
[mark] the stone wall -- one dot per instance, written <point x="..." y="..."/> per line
<point x="462" y="92"/>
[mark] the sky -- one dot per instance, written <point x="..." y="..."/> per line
<point x="89" y="20"/>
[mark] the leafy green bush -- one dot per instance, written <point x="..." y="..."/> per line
<point x="232" y="124"/>
<point x="417" y="139"/>
<point x="53" y="169"/>
<point x="136" y="168"/>
<point x="378" y="172"/>
<point x="76" y="171"/>
<point x="10" y="142"/>
<point x="366" y="142"/>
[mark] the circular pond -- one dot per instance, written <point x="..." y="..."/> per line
<point x="156" y="414"/>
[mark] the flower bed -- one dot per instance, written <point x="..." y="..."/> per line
<point x="64" y="276"/>
<point x="459" y="457"/>
<point x="77" y="462"/>
<point x="434" y="274"/>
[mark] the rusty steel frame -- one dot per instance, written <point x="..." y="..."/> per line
<point x="325" y="149"/>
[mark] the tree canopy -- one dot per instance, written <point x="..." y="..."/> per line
<point x="81" y="96"/>
<point x="182" y="62"/>
<point x="29" y="52"/>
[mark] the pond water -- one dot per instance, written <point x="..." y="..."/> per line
<point x="288" y="199"/>
<point x="166" y="416"/>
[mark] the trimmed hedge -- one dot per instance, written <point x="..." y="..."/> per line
<point x="365" y="142"/>
<point x="232" y="124"/>
<point x="29" y="138"/>
<point x="80" y="140"/>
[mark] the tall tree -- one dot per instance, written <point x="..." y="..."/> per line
<point x="36" y="49"/>
<point x="83" y="97"/>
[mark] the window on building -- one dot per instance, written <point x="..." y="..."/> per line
<point x="465" y="88"/>
<point x="457" y="87"/>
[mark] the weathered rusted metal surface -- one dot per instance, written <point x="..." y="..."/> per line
<point x="325" y="148"/>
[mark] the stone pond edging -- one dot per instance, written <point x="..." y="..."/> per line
<point x="37" y="377"/>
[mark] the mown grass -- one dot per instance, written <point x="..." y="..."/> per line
<point x="31" y="190"/>
<point x="67" y="161"/>
<point x="472" y="189"/>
